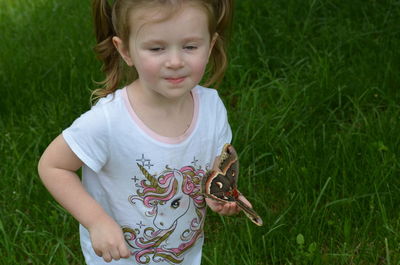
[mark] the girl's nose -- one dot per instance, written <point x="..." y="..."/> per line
<point x="175" y="60"/>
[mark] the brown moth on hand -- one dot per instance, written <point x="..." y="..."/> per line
<point x="221" y="184"/>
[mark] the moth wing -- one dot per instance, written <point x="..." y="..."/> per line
<point x="220" y="184"/>
<point x="232" y="174"/>
<point x="228" y="154"/>
<point x="216" y="186"/>
<point x="230" y="164"/>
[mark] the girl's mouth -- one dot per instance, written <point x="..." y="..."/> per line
<point x="176" y="80"/>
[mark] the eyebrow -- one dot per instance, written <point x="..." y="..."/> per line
<point x="161" y="42"/>
<point x="153" y="42"/>
<point x="194" y="38"/>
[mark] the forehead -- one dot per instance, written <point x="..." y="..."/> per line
<point x="188" y="17"/>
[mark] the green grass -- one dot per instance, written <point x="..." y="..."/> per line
<point x="313" y="98"/>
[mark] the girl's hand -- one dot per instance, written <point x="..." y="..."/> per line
<point x="226" y="208"/>
<point x="223" y="208"/>
<point x="107" y="239"/>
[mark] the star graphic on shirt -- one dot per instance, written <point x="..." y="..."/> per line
<point x="194" y="162"/>
<point x="140" y="224"/>
<point x="135" y="179"/>
<point x="145" y="162"/>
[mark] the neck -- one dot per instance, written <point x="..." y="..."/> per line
<point x="165" y="117"/>
<point x="148" y="99"/>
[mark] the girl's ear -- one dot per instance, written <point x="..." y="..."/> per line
<point x="122" y="50"/>
<point x="213" y="41"/>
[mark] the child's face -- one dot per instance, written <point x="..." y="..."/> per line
<point x="170" y="56"/>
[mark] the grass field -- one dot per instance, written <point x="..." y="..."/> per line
<point x="313" y="98"/>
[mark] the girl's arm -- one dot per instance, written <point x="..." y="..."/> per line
<point x="57" y="168"/>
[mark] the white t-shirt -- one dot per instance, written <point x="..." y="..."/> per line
<point x="148" y="183"/>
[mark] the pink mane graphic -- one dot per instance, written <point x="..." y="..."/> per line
<point x="170" y="197"/>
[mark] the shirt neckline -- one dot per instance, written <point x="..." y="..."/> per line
<point x="164" y="139"/>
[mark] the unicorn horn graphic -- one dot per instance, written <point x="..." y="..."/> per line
<point x="149" y="177"/>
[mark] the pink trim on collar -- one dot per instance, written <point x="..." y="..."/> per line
<point x="156" y="136"/>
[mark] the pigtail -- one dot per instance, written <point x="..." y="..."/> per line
<point x="223" y="12"/>
<point x="105" y="49"/>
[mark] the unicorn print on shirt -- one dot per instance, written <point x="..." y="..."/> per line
<point x="176" y="209"/>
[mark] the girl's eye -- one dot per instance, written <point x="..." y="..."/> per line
<point x="190" y="47"/>
<point x="156" y="49"/>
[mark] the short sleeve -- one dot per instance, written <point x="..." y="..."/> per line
<point x="223" y="128"/>
<point x="88" y="138"/>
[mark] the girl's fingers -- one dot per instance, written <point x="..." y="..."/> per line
<point x="229" y="208"/>
<point x="124" y="251"/>
<point x="98" y="252"/>
<point x="115" y="255"/>
<point x="121" y="251"/>
<point x="214" y="205"/>
<point x="107" y="257"/>
<point x="223" y="208"/>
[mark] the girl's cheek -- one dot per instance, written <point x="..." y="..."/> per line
<point x="148" y="69"/>
<point x="199" y="69"/>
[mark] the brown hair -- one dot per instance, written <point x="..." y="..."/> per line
<point x="112" y="20"/>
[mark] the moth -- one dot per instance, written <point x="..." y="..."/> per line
<point x="221" y="184"/>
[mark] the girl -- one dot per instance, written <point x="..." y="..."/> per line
<point x="144" y="148"/>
